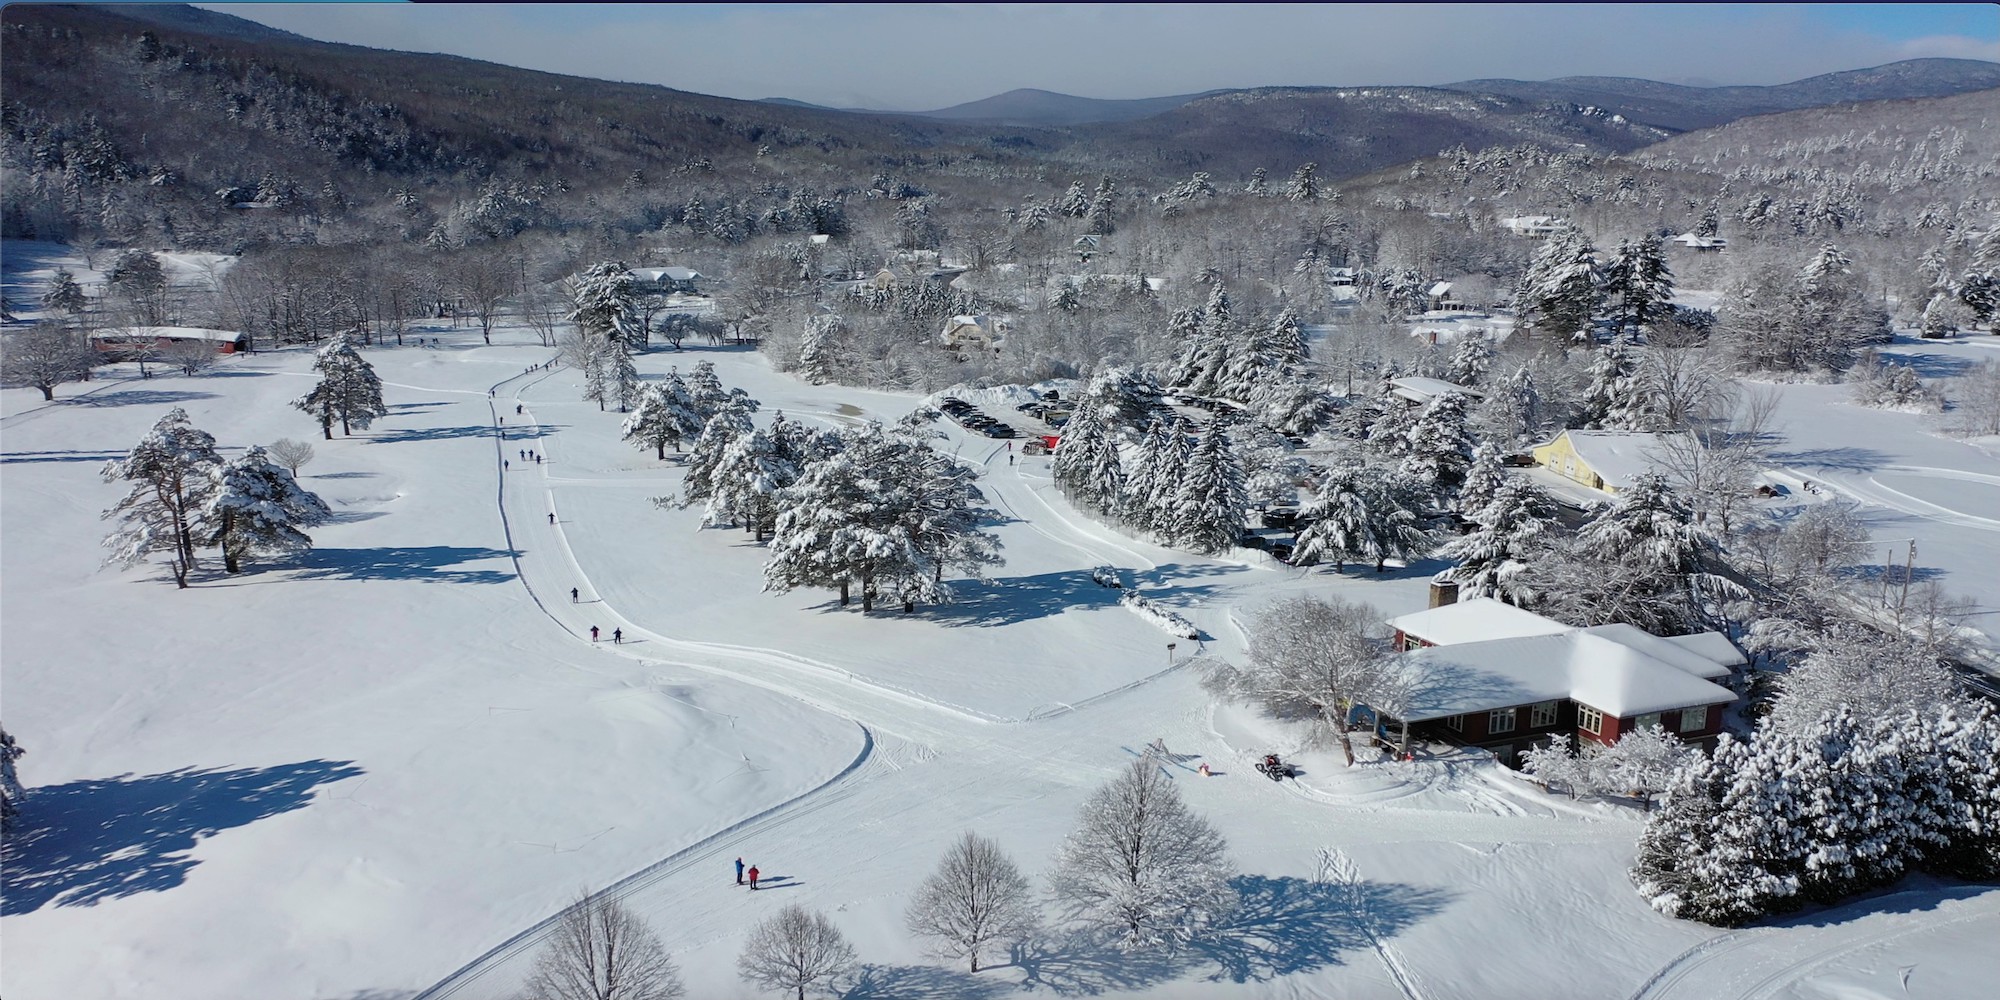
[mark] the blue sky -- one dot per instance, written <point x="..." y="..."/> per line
<point x="919" y="56"/>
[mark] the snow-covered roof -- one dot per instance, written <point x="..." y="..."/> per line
<point x="1712" y="646"/>
<point x="1475" y="620"/>
<point x="1701" y="242"/>
<point x="171" y="333"/>
<point x="1582" y="665"/>
<point x="1668" y="651"/>
<point x="1418" y="389"/>
<point x="1440" y="289"/>
<point x="1618" y="457"/>
<point x="656" y="274"/>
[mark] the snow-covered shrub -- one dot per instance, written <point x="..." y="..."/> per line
<point x="1167" y="620"/>
<point x="1889" y="386"/>
<point x="1107" y="576"/>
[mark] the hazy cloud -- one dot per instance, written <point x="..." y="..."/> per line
<point x="935" y="55"/>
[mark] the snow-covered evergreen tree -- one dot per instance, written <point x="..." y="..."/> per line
<point x="1304" y="185"/>
<point x="1292" y="406"/>
<point x="1087" y="468"/>
<point x="717" y="435"/>
<point x="605" y="304"/>
<point x="1284" y="340"/>
<point x="1340" y="527"/>
<point x="1513" y="412"/>
<point x="819" y="349"/>
<point x="1637" y="274"/>
<point x="1212" y="501"/>
<point x="172" y="477"/>
<point x="621" y="377"/>
<point x="1470" y="360"/>
<point x="348" y="391"/>
<point x="1159" y="460"/>
<point x="1508" y="532"/>
<point x="665" y="415"/>
<point x="1614" y="401"/>
<point x="705" y="390"/>
<point x="1075" y="202"/>
<point x="1440" y="443"/>
<point x="255" y="506"/>
<point x="1142" y="869"/>
<point x="1559" y="293"/>
<point x="746" y="480"/>
<point x="1483" y="479"/>
<point x="11" y="792"/>
<point x="64" y="295"/>
<point x="1650" y="524"/>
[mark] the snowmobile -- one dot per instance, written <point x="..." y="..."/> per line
<point x="1273" y="768"/>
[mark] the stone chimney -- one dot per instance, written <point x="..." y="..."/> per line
<point x="1443" y="592"/>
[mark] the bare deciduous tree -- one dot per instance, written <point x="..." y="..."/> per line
<point x="601" y="951"/>
<point x="291" y="454"/>
<point x="45" y="357"/>
<point x="977" y="899"/>
<point x="1141" y="867"/>
<point x="192" y="357"/>
<point x="794" y="950"/>
<point x="1310" y="657"/>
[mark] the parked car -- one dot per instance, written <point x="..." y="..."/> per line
<point x="999" y="430"/>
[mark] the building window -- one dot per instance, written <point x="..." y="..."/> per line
<point x="1694" y="719"/>
<point x="1456" y="723"/>
<point x="1501" y="721"/>
<point x="1543" y="715"/>
<point x="1651" y="720"/>
<point x="1589" y="720"/>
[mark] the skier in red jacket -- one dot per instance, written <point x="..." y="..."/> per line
<point x="753" y="877"/>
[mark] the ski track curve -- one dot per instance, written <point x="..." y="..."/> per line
<point x="805" y="803"/>
<point x="1340" y="870"/>
<point x="1981" y="902"/>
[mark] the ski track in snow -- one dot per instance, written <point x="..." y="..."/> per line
<point x="702" y="851"/>
<point x="1340" y="869"/>
<point x="1705" y="971"/>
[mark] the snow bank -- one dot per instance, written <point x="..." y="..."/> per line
<point x="1168" y="621"/>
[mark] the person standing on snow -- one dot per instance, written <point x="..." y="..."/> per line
<point x="593" y="633"/>
<point x="753" y="878"/>
<point x="739" y="871"/>
<point x="617" y="635"/>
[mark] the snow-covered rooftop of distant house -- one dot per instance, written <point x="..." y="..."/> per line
<point x="170" y="333"/>
<point x="1528" y="221"/>
<point x="1418" y="389"/>
<point x="1440" y="289"/>
<point x="1581" y="665"/>
<point x="1475" y="620"/>
<point x="1618" y="456"/>
<point x="666" y="273"/>
<point x="1701" y="242"/>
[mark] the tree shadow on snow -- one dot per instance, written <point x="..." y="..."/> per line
<point x="1281" y="926"/>
<point x="87" y="841"/>
<point x="1932" y="366"/>
<point x="140" y="397"/>
<point x="13" y="457"/>
<point x="1006" y="600"/>
<point x="409" y="434"/>
<point x="424" y="563"/>
<point x="1844" y="459"/>
<point x="921" y="982"/>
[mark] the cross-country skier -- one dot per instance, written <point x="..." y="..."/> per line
<point x="572" y="590"/>
<point x="593" y="633"/>
<point x="753" y="878"/>
<point x="739" y="871"/>
<point x="617" y="635"/>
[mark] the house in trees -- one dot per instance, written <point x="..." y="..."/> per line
<point x="1602" y="460"/>
<point x="1418" y="390"/>
<point x="124" y="343"/>
<point x="1439" y="299"/>
<point x="667" y="280"/>
<point x="1533" y="227"/>
<point x="1702" y="244"/>
<point x="980" y="333"/>
<point x="1495" y="676"/>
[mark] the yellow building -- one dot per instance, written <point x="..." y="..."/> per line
<point x="1602" y="460"/>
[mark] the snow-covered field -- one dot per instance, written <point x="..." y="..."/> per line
<point x="374" y="773"/>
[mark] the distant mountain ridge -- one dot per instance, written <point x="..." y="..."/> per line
<point x="1676" y="107"/>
